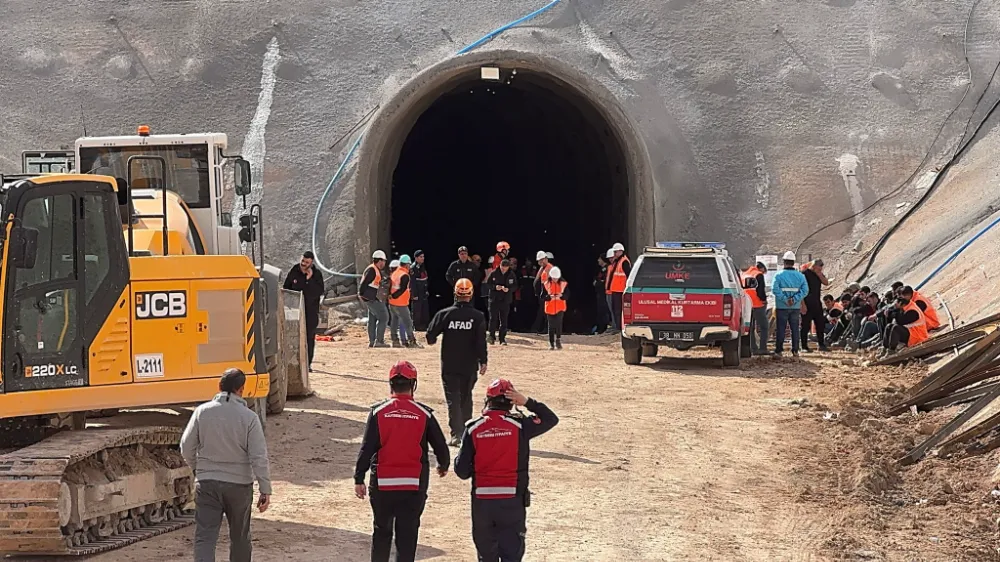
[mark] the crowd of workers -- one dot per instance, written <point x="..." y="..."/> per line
<point x="397" y="294"/>
<point x="859" y="319"/>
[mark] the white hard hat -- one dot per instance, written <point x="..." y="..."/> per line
<point x="555" y="273"/>
<point x="491" y="259"/>
<point x="540" y="255"/>
<point x="394" y="263"/>
<point x="618" y="247"/>
<point x="378" y="255"/>
<point x="789" y="256"/>
<point x="549" y="255"/>
<point x="611" y="253"/>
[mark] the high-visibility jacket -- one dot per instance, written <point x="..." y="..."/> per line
<point x="933" y="322"/>
<point x="397" y="276"/>
<point x="555" y="288"/>
<point x="545" y="273"/>
<point x="369" y="291"/>
<point x="918" y="329"/>
<point x="752" y="273"/>
<point x="617" y="278"/>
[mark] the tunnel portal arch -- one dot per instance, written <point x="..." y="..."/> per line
<point x="383" y="142"/>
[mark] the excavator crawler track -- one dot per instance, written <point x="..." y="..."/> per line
<point x="84" y="492"/>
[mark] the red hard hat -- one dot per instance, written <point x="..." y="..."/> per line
<point x="403" y="369"/>
<point x="501" y="245"/>
<point x="498" y="387"/>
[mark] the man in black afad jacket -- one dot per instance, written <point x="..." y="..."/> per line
<point x="420" y="293"/>
<point x="502" y="284"/>
<point x="462" y="268"/>
<point x="303" y="277"/>
<point x="463" y="354"/>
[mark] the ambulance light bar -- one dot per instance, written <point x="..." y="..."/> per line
<point x="685" y="245"/>
<point x="676" y="248"/>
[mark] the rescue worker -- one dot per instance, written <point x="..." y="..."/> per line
<point x="224" y="445"/>
<point x="909" y="324"/>
<point x="502" y="285"/>
<point x="393" y="320"/>
<point x="307" y="280"/>
<point x="541" y="277"/>
<point x="603" y="312"/>
<point x="463" y="354"/>
<point x="617" y="277"/>
<point x="555" y="306"/>
<point x="462" y="268"/>
<point x="420" y="296"/>
<point x="494" y="454"/>
<point x="394" y="447"/>
<point x="930" y="313"/>
<point x="610" y="258"/>
<point x="368" y="293"/>
<point x="758" y="315"/>
<point x="399" y="302"/>
<point x="789" y="289"/>
<point x="503" y="252"/>
<point x="813" y="315"/>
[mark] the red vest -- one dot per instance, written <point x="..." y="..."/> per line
<point x="497" y="441"/>
<point x="401" y="427"/>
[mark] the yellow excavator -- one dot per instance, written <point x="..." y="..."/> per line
<point x="94" y="319"/>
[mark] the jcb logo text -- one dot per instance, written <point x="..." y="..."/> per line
<point x="168" y="304"/>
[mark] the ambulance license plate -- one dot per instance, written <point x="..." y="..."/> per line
<point x="677" y="336"/>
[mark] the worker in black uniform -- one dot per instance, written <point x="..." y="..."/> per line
<point x="463" y="354"/>
<point x="495" y="451"/>
<point x="303" y="277"/>
<point x="394" y="446"/>
<point x="502" y="285"/>
<point x="462" y="268"/>
<point x="420" y="292"/>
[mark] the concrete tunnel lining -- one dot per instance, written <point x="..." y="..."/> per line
<point x="380" y="149"/>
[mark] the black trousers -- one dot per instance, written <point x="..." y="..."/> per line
<point x="312" y="322"/>
<point x="539" y="325"/>
<point x="421" y="313"/>
<point x="814" y="315"/>
<point x="603" y="313"/>
<point x="399" y="512"/>
<point x="616" y="310"/>
<point x="458" y="393"/>
<point x="499" y="315"/>
<point x="555" y="326"/>
<point x="498" y="528"/>
<point x="895" y="335"/>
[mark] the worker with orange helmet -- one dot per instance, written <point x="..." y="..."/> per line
<point x="494" y="454"/>
<point x="463" y="353"/>
<point x="394" y="447"/>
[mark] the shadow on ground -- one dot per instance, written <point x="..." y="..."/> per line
<point x="752" y="368"/>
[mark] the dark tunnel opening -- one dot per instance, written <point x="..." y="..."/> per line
<point x="527" y="160"/>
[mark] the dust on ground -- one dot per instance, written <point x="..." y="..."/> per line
<point x="675" y="459"/>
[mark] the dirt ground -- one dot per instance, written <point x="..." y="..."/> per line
<point x="676" y="459"/>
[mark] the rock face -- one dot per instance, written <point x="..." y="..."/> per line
<point x="761" y="120"/>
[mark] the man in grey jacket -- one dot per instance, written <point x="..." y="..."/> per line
<point x="224" y="445"/>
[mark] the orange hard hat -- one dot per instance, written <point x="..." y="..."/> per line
<point x="501" y="245"/>
<point x="463" y="288"/>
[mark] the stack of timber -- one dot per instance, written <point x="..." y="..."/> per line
<point x="967" y="372"/>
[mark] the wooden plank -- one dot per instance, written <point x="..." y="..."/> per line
<point x="945" y="373"/>
<point x="954" y="385"/>
<point x="958" y="397"/>
<point x="942" y="341"/>
<point x="979" y="430"/>
<point x="920" y="450"/>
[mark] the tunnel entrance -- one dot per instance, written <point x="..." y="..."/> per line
<point x="524" y="159"/>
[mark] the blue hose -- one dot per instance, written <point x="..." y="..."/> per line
<point x="350" y="153"/>
<point x="955" y="254"/>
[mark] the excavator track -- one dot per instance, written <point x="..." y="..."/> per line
<point x="89" y="491"/>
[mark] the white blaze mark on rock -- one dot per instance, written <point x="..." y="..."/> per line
<point x="253" y="143"/>
<point x="763" y="187"/>
<point x="848" y="171"/>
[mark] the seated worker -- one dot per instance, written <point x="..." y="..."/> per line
<point x="908" y="325"/>
<point x="833" y="312"/>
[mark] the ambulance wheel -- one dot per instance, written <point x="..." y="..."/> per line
<point x="650" y="350"/>
<point x="731" y="353"/>
<point x="633" y="356"/>
<point x="745" y="350"/>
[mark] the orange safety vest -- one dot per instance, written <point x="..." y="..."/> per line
<point x="933" y="322"/>
<point x="555" y="289"/>
<point x="377" y="282"/>
<point x="404" y="299"/>
<point x="752" y="273"/>
<point x="918" y="329"/>
<point x="617" y="277"/>
<point x="545" y="273"/>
